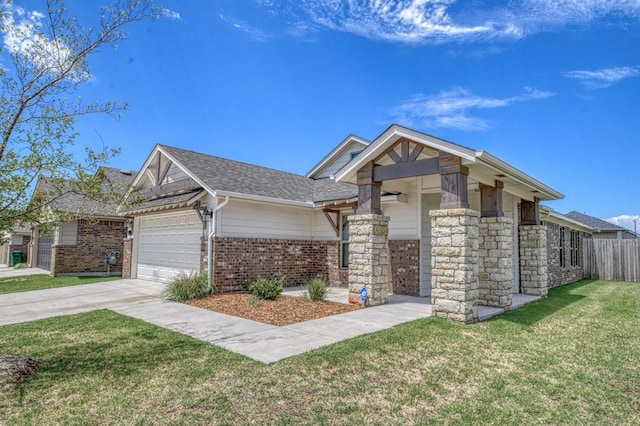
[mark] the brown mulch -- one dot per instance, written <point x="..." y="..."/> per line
<point x="284" y="310"/>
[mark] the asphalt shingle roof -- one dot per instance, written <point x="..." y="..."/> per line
<point x="222" y="174"/>
<point x="113" y="179"/>
<point x="594" y="222"/>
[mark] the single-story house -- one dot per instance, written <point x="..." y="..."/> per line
<point x="90" y="233"/>
<point x="406" y="213"/>
<point x="17" y="239"/>
<point x="602" y="228"/>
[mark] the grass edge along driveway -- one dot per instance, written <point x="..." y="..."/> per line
<point x="43" y="281"/>
<point x="570" y="359"/>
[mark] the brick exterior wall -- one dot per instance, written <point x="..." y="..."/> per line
<point x="404" y="267"/>
<point x="127" y="251"/>
<point x="95" y="240"/>
<point x="557" y="274"/>
<point x="237" y="260"/>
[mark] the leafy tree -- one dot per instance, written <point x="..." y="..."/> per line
<point x="43" y="62"/>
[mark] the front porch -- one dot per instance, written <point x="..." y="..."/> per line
<point x="480" y="235"/>
<point x="420" y="305"/>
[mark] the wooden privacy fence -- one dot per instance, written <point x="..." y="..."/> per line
<point x="614" y="260"/>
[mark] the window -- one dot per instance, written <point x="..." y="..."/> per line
<point x="574" y="248"/>
<point x="561" y="236"/>
<point x="354" y="154"/>
<point x="344" y="242"/>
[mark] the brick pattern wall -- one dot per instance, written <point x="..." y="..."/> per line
<point x="404" y="267"/>
<point x="454" y="254"/>
<point x="95" y="240"/>
<point x="533" y="260"/>
<point x="127" y="251"/>
<point x="237" y="260"/>
<point x="557" y="274"/>
<point x="495" y="261"/>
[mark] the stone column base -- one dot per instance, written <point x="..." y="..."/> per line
<point x="368" y="258"/>
<point x="454" y="260"/>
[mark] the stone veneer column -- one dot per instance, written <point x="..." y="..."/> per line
<point x="495" y="261"/>
<point x="454" y="261"/>
<point x="533" y="260"/>
<point x="368" y="257"/>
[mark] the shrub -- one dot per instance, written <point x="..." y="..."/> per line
<point x="316" y="289"/>
<point x="22" y="265"/>
<point x="185" y="286"/>
<point x="268" y="289"/>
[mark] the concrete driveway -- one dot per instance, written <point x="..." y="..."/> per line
<point x="33" y="305"/>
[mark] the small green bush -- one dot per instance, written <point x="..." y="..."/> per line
<point x="268" y="289"/>
<point x="185" y="286"/>
<point x="316" y="289"/>
<point x="22" y="265"/>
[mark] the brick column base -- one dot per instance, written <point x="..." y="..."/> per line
<point x="127" y="251"/>
<point x="533" y="260"/>
<point x="368" y="257"/>
<point x="454" y="260"/>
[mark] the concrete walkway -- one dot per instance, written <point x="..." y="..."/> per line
<point x="268" y="343"/>
<point x="33" y="305"/>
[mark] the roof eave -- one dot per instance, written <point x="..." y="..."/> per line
<point x="336" y="151"/>
<point x="492" y="161"/>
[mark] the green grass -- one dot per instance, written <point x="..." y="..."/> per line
<point x="41" y="281"/>
<point x="573" y="358"/>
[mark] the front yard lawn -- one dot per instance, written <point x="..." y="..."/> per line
<point x="42" y="281"/>
<point x="573" y="358"/>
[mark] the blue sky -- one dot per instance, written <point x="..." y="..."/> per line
<point x="551" y="86"/>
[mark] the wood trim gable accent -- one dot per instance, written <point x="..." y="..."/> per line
<point x="427" y="166"/>
<point x="183" y="185"/>
<point x="491" y="200"/>
<point x="334" y="224"/>
<point x="530" y="212"/>
<point x="369" y="191"/>
<point x="453" y="182"/>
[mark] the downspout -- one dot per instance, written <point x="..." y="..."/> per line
<point x="210" y="242"/>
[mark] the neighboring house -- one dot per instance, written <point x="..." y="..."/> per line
<point x="92" y="232"/>
<point x="602" y="228"/>
<point x="406" y="213"/>
<point x="17" y="239"/>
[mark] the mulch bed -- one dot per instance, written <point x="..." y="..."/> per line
<point x="284" y="310"/>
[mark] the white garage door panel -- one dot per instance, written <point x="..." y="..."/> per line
<point x="168" y="245"/>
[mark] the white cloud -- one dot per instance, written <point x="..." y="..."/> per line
<point x="626" y="221"/>
<point x="23" y="36"/>
<point x="253" y="32"/>
<point x="171" y="14"/>
<point x="600" y="79"/>
<point x="455" y="108"/>
<point x="436" y="21"/>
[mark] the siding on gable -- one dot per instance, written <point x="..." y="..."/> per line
<point x="332" y="167"/>
<point x="174" y="174"/>
<point x="261" y="220"/>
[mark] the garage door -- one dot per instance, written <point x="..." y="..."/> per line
<point x="168" y="244"/>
